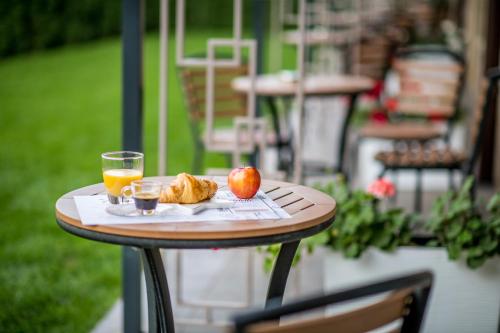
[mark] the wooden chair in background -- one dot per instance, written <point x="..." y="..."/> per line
<point x="425" y="107"/>
<point x="405" y="300"/>
<point x="422" y="156"/>
<point x="227" y="106"/>
<point x="429" y="90"/>
<point x="372" y="55"/>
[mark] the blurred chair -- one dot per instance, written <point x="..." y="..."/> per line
<point x="430" y="81"/>
<point x="227" y="106"/>
<point x="402" y="299"/>
<point x="421" y="156"/>
<point x="373" y="54"/>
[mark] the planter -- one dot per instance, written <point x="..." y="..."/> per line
<point x="462" y="300"/>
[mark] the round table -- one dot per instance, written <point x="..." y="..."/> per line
<point x="311" y="211"/>
<point x="275" y="85"/>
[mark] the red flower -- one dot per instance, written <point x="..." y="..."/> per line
<point x="391" y="104"/>
<point x="378" y="116"/>
<point x="376" y="90"/>
<point x="382" y="188"/>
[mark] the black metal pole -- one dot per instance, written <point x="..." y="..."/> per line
<point x="344" y="134"/>
<point x="258" y="20"/>
<point x="132" y="83"/>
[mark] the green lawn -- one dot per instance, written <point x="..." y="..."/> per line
<point x="58" y="111"/>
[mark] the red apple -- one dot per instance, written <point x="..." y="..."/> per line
<point x="244" y="182"/>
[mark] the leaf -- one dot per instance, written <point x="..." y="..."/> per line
<point x="453" y="251"/>
<point x="317" y="240"/>
<point x="475" y="252"/>
<point x="432" y="243"/>
<point x="381" y="239"/>
<point x="467" y="186"/>
<point x="495" y="221"/>
<point x="488" y="244"/>
<point x="474" y="224"/>
<point x="453" y="231"/>
<point x="475" y="262"/>
<point x="464" y="237"/>
<point x="353" y="251"/>
<point x="268" y="264"/>
<point x="494" y="203"/>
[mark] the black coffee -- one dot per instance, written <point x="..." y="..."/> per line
<point x="146" y="201"/>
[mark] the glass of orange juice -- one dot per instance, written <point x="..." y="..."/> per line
<point x="119" y="169"/>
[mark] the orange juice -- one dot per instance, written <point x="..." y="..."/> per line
<point x="116" y="179"/>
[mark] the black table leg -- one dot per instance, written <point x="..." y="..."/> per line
<point x="343" y="135"/>
<point x="161" y="318"/>
<point x="280" y="273"/>
<point x="273" y="109"/>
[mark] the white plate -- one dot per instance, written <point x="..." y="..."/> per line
<point x="192" y="209"/>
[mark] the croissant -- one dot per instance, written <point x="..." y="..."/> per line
<point x="187" y="189"/>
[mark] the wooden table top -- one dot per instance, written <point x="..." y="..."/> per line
<point x="322" y="37"/>
<point x="308" y="208"/>
<point x="277" y="85"/>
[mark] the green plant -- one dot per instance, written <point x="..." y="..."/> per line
<point x="361" y="223"/>
<point x="459" y="225"/>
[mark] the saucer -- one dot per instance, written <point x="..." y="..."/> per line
<point x="129" y="210"/>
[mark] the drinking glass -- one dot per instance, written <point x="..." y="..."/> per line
<point x="119" y="169"/>
<point x="145" y="194"/>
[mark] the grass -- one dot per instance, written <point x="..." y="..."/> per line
<point x="58" y="111"/>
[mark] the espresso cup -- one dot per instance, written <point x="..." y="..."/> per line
<point x="145" y="194"/>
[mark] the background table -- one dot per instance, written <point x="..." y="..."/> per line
<point x="311" y="212"/>
<point x="273" y="86"/>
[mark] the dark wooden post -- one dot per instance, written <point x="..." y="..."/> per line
<point x="486" y="169"/>
<point x="132" y="90"/>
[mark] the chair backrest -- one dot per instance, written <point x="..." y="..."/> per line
<point x="406" y="301"/>
<point x="479" y="114"/>
<point x="430" y="82"/>
<point x="227" y="103"/>
<point x="373" y="55"/>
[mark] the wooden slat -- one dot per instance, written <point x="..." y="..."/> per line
<point x="298" y="206"/>
<point x="288" y="200"/>
<point x="427" y="65"/>
<point x="280" y="193"/>
<point x="267" y="188"/>
<point x="447" y="97"/>
<point x="425" y="109"/>
<point x="432" y="81"/>
<point x="373" y="57"/>
<point x="220" y="113"/>
<point x="200" y="87"/>
<point x="401" y="131"/>
<point x="218" y="99"/>
<point x="196" y="73"/>
<point x="361" y="320"/>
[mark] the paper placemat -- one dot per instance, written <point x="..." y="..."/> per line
<point x="92" y="210"/>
